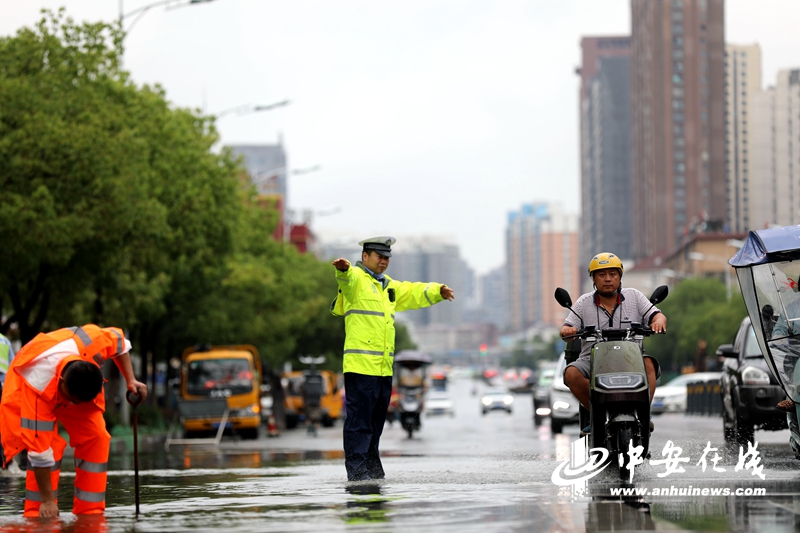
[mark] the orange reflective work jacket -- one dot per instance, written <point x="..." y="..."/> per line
<point x="28" y="411"/>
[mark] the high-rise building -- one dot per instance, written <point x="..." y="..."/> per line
<point x="541" y="254"/>
<point x="605" y="147"/>
<point x="493" y="297"/>
<point x="678" y="120"/>
<point x="743" y="82"/>
<point x="431" y="259"/>
<point x="266" y="164"/>
<point x="776" y="153"/>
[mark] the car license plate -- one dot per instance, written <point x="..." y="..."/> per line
<point x="658" y="404"/>
<point x="228" y="425"/>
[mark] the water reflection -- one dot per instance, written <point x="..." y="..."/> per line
<point x="258" y="491"/>
<point x="619" y="514"/>
<point x="366" y="507"/>
<point x="68" y="524"/>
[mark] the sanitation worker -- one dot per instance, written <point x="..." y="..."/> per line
<point x="369" y="299"/>
<point x="6" y="356"/>
<point x="55" y="378"/>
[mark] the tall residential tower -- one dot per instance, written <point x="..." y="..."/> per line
<point x="605" y="147"/>
<point x="743" y="83"/>
<point x="678" y="117"/>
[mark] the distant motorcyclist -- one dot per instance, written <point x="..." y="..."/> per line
<point x="608" y="306"/>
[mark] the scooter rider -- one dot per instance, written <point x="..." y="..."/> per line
<point x="608" y="306"/>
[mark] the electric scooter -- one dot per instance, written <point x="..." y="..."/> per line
<point x="619" y="392"/>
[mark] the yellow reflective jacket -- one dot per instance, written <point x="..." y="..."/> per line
<point x="368" y="312"/>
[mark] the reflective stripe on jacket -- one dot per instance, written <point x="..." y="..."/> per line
<point x="28" y="411"/>
<point x="368" y="314"/>
<point x="6" y="355"/>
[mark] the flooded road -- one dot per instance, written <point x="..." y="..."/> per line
<point x="466" y="473"/>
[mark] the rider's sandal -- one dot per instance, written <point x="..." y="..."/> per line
<point x="786" y="405"/>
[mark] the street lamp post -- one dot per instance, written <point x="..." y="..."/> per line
<point x="698" y="256"/>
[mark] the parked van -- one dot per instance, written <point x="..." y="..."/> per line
<point x="230" y="372"/>
<point x="330" y="401"/>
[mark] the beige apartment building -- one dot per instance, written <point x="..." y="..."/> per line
<point x="743" y="83"/>
<point x="776" y="153"/>
<point x="541" y="254"/>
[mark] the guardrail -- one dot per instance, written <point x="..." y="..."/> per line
<point x="704" y="398"/>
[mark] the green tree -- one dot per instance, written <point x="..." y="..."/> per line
<point x="116" y="210"/>
<point x="696" y="309"/>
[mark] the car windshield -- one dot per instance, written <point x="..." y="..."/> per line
<point x="437" y="396"/>
<point x="294" y="386"/>
<point x="546" y="378"/>
<point x="751" y="348"/>
<point x="230" y="374"/>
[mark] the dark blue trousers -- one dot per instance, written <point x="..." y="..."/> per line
<point x="367" y="400"/>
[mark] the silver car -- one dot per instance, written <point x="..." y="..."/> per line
<point x="564" y="406"/>
<point x="496" y="399"/>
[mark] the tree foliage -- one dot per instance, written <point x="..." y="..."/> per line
<point x="697" y="309"/>
<point x="115" y="210"/>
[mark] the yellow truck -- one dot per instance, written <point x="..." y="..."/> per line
<point x="230" y="372"/>
<point x="330" y="401"/>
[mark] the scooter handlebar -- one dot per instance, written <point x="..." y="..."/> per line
<point x="584" y="333"/>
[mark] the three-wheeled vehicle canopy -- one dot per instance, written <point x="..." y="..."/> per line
<point x="768" y="246"/>
<point x="768" y="268"/>
<point x="413" y="356"/>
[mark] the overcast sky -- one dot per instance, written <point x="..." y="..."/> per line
<point x="426" y="117"/>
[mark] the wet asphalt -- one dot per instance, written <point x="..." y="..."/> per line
<point x="466" y="473"/>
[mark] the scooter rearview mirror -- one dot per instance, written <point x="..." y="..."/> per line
<point x="659" y="295"/>
<point x="563" y="298"/>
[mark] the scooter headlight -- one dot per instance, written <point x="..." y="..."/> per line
<point x="619" y="381"/>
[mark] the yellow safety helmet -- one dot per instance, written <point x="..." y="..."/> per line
<point x="603" y="261"/>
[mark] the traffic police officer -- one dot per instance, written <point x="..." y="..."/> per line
<point x="368" y="299"/>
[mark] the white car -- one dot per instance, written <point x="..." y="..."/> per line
<point x="671" y="397"/>
<point x="496" y="398"/>
<point x="439" y="403"/>
<point x="564" y="406"/>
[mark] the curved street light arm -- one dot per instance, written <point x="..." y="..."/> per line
<point x="247" y="108"/>
<point x="140" y="11"/>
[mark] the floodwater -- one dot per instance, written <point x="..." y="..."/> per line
<point x="462" y="474"/>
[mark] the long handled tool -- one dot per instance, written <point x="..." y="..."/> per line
<point x="134" y="399"/>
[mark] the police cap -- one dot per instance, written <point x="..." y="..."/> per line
<point x="381" y="245"/>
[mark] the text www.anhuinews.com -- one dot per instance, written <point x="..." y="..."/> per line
<point x="687" y="491"/>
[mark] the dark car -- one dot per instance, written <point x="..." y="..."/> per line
<point x="749" y="390"/>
